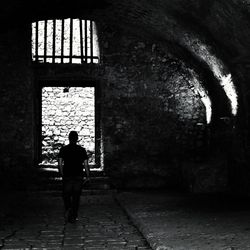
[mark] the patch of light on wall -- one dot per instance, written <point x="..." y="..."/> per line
<point x="229" y="88"/>
<point x="204" y="97"/>
<point x="207" y="103"/>
<point x="218" y="69"/>
<point x="65" y="41"/>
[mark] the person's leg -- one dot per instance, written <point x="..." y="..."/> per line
<point x="76" y="194"/>
<point x="67" y="192"/>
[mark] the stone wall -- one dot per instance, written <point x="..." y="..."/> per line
<point x="153" y="119"/>
<point x="63" y="110"/>
<point x="16" y="108"/>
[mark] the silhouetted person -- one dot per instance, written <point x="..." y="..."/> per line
<point x="72" y="159"/>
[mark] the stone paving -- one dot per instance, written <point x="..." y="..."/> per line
<point x="190" y="222"/>
<point x="35" y="221"/>
<point x="166" y="222"/>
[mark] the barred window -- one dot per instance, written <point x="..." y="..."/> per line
<point x="65" y="41"/>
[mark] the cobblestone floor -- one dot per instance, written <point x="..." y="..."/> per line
<point x="36" y="222"/>
<point x="190" y="222"/>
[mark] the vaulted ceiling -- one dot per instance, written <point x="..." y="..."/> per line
<point x="212" y="35"/>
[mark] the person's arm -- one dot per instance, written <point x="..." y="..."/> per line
<point x="86" y="166"/>
<point x="60" y="166"/>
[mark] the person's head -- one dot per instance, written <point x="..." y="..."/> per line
<point x="73" y="137"/>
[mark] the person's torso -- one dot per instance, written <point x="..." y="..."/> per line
<point x="73" y="157"/>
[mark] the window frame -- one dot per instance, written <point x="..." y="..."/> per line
<point x="87" y="35"/>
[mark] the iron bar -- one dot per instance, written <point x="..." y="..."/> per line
<point x="91" y="41"/>
<point x="86" y="40"/>
<point x="45" y="41"/>
<point x="71" y="41"/>
<point x="54" y="41"/>
<point x="36" y="46"/>
<point x="81" y="39"/>
<point x="62" y="41"/>
<point x="94" y="57"/>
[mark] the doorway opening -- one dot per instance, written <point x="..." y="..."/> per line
<point x="64" y="109"/>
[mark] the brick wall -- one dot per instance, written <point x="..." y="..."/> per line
<point x="152" y="117"/>
<point x="149" y="112"/>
